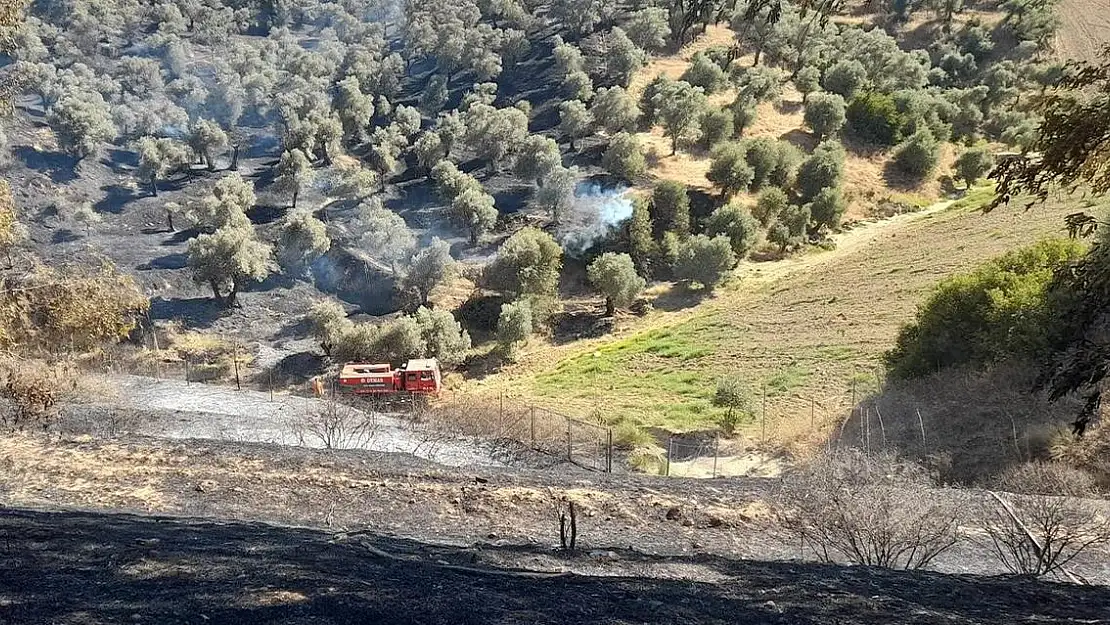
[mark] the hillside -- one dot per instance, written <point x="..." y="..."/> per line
<point x="809" y="330"/>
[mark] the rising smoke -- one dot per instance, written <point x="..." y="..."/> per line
<point x="597" y="211"/>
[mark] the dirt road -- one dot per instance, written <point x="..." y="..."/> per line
<point x="182" y="411"/>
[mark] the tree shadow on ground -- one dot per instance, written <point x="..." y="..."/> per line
<point x="65" y="235"/>
<point x="79" y="567"/>
<point x="198" y="312"/>
<point x="680" y="297"/>
<point x="115" y="199"/>
<point x="899" y="180"/>
<point x="182" y="236"/>
<point x="61" y="168"/>
<point x="177" y="260"/>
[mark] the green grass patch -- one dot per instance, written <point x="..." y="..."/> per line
<point x="786" y="380"/>
<point x="659" y="377"/>
<point x="975" y="198"/>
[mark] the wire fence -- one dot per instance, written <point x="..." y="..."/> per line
<point x="782" y="420"/>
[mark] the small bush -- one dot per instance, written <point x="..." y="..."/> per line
<point x="705" y="260"/>
<point x="716" y="126"/>
<point x="733" y="394"/>
<point x="704" y="73"/>
<point x="870" y="510"/>
<point x="974" y="163"/>
<point x="624" y="158"/>
<point x="918" y="156"/>
<point x="874" y="117"/>
<point x="1046" y="478"/>
<point x="769" y="205"/>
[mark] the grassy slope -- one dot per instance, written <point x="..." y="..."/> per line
<point x="807" y="330"/>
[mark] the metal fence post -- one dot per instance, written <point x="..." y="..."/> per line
<point x="570" y="454"/>
<point x="187" y="371"/>
<point x="533" y="427"/>
<point x="716" y="451"/>
<point x="609" y="451"/>
<point x="763" y="419"/>
<point x="670" y="446"/>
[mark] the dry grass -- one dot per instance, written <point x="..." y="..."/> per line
<point x="674" y="65"/>
<point x="1084" y="29"/>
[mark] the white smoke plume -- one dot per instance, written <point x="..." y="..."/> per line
<point x="596" y="212"/>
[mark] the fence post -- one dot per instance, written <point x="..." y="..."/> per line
<point x="501" y="401"/>
<point x="533" y="427"/>
<point x="811" y="407"/>
<point x="716" y="451"/>
<point x="570" y="453"/>
<point x="763" y="419"/>
<point x="609" y="451"/>
<point x="670" y="446"/>
<point x="235" y="357"/>
<point x="187" y="371"/>
<point x="271" y="382"/>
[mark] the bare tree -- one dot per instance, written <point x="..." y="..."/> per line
<point x="333" y="425"/>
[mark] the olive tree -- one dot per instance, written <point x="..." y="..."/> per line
<point x="293" y="173"/>
<point x="845" y="78"/>
<point x="495" y="133"/>
<point x="670" y="208"/>
<point x="678" y="106"/>
<point x="82" y="122"/>
<point x="705" y="260"/>
<point x="442" y="336"/>
<point x="474" y="208"/>
<point x="514" y="326"/>
<point x="385" y="235"/>
<point x="432" y="266"/>
<point x="769" y="205"/>
<point x="429" y="149"/>
<point x="159" y="158"/>
<point x="705" y="73"/>
<point x="556" y="192"/>
<point x="807" y="80"/>
<point x="538" y="157"/>
<point x="919" y="155"/>
<point x="228" y="259"/>
<point x="231" y="197"/>
<point x="624" y="158"/>
<point x="827" y="207"/>
<point x="824" y="114"/>
<point x="649" y="28"/>
<point x="735" y="222"/>
<point x="716" y="125"/>
<point x="302" y="238"/>
<point x="206" y="138"/>
<point x="823" y="169"/>
<point x="974" y="163"/>
<point x="528" y="264"/>
<point x="729" y="170"/>
<point x="614" y="110"/>
<point x="574" y="120"/>
<point x="615" y="276"/>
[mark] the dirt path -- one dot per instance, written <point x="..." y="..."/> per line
<point x="182" y="411"/>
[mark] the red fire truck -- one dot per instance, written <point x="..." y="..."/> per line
<point x="420" y="376"/>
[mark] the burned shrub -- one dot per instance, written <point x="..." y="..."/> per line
<point x="870" y="510"/>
